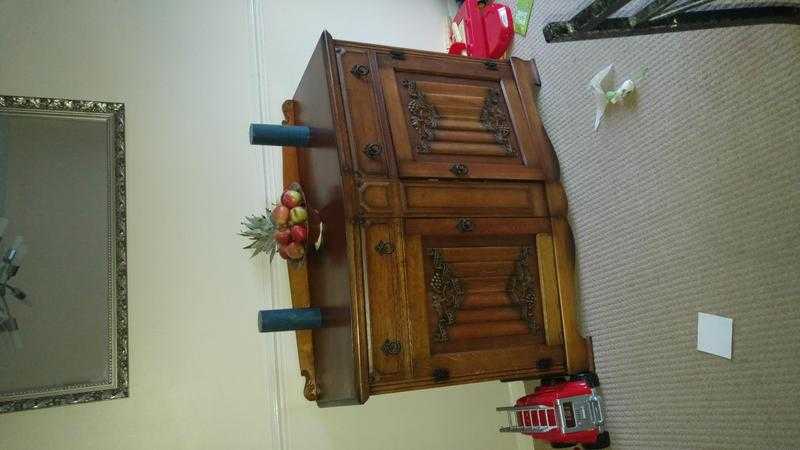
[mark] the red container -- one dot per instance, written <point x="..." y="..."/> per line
<point x="488" y="29"/>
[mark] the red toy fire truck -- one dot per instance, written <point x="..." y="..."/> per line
<point x="563" y="412"/>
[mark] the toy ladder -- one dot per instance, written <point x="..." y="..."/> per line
<point x="517" y="422"/>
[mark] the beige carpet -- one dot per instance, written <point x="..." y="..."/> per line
<point x="688" y="201"/>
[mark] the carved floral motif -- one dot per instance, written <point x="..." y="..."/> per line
<point x="494" y="118"/>
<point x="521" y="288"/>
<point x="447" y="294"/>
<point x="423" y="116"/>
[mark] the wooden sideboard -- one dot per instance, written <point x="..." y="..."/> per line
<point x="448" y="258"/>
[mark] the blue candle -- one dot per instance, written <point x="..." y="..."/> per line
<point x="289" y="136"/>
<point x="289" y="319"/>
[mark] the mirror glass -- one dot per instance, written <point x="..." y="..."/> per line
<point x="63" y="311"/>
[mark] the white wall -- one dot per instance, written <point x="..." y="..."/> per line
<point x="201" y="377"/>
<point x="183" y="69"/>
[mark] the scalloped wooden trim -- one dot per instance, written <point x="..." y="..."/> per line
<point x="576" y="346"/>
<point x="298" y="276"/>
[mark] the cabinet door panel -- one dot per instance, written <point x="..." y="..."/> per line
<point x="479" y="302"/>
<point x="384" y="299"/>
<point x="457" y="120"/>
<point x="369" y="150"/>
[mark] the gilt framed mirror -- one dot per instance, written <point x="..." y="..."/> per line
<point x="63" y="273"/>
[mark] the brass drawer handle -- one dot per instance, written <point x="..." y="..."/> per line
<point x="397" y="54"/>
<point x="360" y="71"/>
<point x="373" y="151"/>
<point x="391" y="348"/>
<point x="459" y="170"/>
<point x="440" y="375"/>
<point x="491" y="65"/>
<point x="544" y="363"/>
<point x="384" y="248"/>
<point x="465" y="225"/>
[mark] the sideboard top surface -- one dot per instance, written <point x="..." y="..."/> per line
<point x="336" y="354"/>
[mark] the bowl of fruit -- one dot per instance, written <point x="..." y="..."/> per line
<point x="288" y="229"/>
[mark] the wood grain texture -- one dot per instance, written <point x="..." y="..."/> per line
<point x="416" y="294"/>
<point x="378" y="197"/>
<point x="483" y="299"/>
<point x="522" y="358"/>
<point x="477" y="171"/>
<point x="485" y="284"/>
<point x="470" y="199"/>
<point x="491" y="314"/>
<point x="487" y="253"/>
<point x="395" y="116"/>
<point x="513" y="327"/>
<point x="460" y="124"/>
<point x="482" y="226"/>
<point x="459" y="100"/>
<point x="360" y="103"/>
<point x="492" y="331"/>
<point x="383" y="304"/>
<point x="548" y="284"/>
<point x="527" y="78"/>
<point x="460" y="90"/>
<point x="459" y="95"/>
<point x="298" y="276"/>
<point x="574" y="343"/>
<point x="467" y="149"/>
<point x="474" y="268"/>
<point x="496" y="374"/>
<point x="454" y="137"/>
<point x="336" y="354"/>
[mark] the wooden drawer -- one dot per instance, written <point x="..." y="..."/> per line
<point x="458" y="118"/>
<point x="384" y="301"/>
<point x="391" y="198"/>
<point x="474" y="199"/>
<point x="367" y="144"/>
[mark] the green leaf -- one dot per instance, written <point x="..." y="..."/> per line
<point x="260" y="230"/>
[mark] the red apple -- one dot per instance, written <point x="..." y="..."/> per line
<point x="282" y="251"/>
<point x="295" y="251"/>
<point x="299" y="233"/>
<point x="280" y="214"/>
<point x="298" y="214"/>
<point x="283" y="237"/>
<point x="291" y="198"/>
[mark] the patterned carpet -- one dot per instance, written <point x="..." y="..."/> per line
<point x="686" y="200"/>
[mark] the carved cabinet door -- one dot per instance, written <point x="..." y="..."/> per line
<point x="457" y="118"/>
<point x="482" y="298"/>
